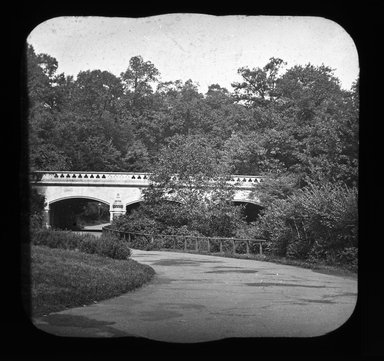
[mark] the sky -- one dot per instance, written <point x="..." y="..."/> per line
<point x="207" y="49"/>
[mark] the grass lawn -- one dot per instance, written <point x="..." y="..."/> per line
<point x="63" y="279"/>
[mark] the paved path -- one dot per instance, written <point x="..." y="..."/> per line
<point x="95" y="230"/>
<point x="195" y="298"/>
<point x="97" y="227"/>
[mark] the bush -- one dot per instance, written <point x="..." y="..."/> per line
<point x="57" y="239"/>
<point x="136" y="222"/>
<point x="142" y="242"/>
<point x="107" y="245"/>
<point x="318" y="222"/>
<point x="112" y="247"/>
<point x="35" y="221"/>
<point x="88" y="245"/>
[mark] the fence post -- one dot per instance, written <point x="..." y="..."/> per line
<point x="152" y="238"/>
<point x="129" y="237"/>
<point x="247" y="245"/>
<point x="221" y="246"/>
<point x="234" y="246"/>
<point x="185" y="243"/>
<point x="174" y="242"/>
<point x="261" y="248"/>
<point x="209" y="246"/>
<point x="196" y="244"/>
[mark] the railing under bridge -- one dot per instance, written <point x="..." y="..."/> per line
<point x="190" y="243"/>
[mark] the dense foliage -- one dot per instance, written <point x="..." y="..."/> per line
<point x="295" y="125"/>
<point x="318" y="222"/>
<point x="298" y="121"/>
<point x="36" y="208"/>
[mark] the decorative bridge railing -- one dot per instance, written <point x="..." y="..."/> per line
<point x="119" y="178"/>
<point x="190" y="243"/>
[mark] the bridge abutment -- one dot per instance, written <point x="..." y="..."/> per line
<point x="47" y="216"/>
<point x="117" y="208"/>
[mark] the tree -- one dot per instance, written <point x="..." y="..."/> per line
<point x="306" y="126"/>
<point x="98" y="154"/>
<point x="95" y="93"/>
<point x="308" y="89"/>
<point x="137" y="80"/>
<point x="323" y="122"/>
<point x="41" y="76"/>
<point x="189" y="173"/>
<point x="181" y="107"/>
<point x="259" y="85"/>
<point x="223" y="116"/>
<point x="136" y="158"/>
<point x="44" y="100"/>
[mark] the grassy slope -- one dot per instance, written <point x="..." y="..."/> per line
<point x="63" y="278"/>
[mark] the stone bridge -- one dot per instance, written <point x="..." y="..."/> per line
<point x="115" y="189"/>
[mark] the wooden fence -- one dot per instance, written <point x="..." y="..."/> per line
<point x="161" y="240"/>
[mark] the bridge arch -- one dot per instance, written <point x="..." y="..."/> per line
<point x="79" y="197"/>
<point x="134" y="202"/>
<point x="67" y="212"/>
<point x="252" y="209"/>
<point x="132" y="205"/>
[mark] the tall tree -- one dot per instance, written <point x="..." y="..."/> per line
<point x="44" y="100"/>
<point x="137" y="80"/>
<point x="259" y="85"/>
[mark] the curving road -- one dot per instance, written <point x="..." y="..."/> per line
<point x="95" y="230"/>
<point x="196" y="298"/>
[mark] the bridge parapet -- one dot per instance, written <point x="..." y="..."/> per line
<point x="89" y="178"/>
<point x="246" y="180"/>
<point x="119" y="178"/>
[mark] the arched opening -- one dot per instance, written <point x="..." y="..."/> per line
<point x="77" y="213"/>
<point x="251" y="211"/>
<point x="131" y="207"/>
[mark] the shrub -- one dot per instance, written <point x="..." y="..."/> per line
<point x="136" y="222"/>
<point x="272" y="225"/>
<point x="57" y="239"/>
<point x="35" y="222"/>
<point x="316" y="222"/>
<point x="107" y="245"/>
<point x="112" y="247"/>
<point x="89" y="245"/>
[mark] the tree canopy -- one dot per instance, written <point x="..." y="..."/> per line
<point x="277" y="120"/>
<point x="296" y="125"/>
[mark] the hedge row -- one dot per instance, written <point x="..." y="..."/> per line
<point x="107" y="245"/>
